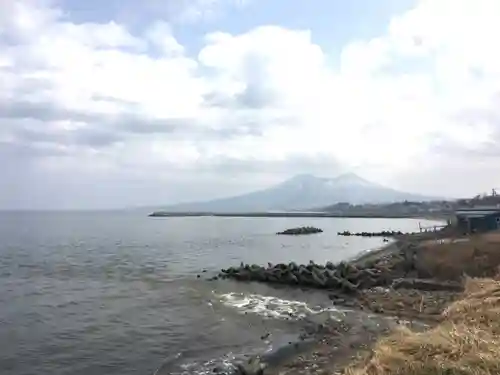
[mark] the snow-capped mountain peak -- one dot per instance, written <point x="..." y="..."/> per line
<point x="304" y="191"/>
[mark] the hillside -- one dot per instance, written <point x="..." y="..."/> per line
<point x="302" y="192"/>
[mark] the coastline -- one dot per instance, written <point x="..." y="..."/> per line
<point x="409" y="299"/>
<point x="426" y="216"/>
<point x="396" y="245"/>
<point x="426" y="312"/>
<point x="372" y="255"/>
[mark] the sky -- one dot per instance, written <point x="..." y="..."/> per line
<point x="125" y="103"/>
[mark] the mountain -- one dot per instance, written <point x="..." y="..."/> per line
<point x="303" y="192"/>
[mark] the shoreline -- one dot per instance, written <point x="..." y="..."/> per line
<point x="423" y="313"/>
<point x="417" y="304"/>
<point x="372" y="255"/>
<point x="428" y="216"/>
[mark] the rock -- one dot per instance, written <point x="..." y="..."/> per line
<point x="254" y="366"/>
<point x="351" y="303"/>
<point x="307" y="280"/>
<point x="383" y="233"/>
<point x="348" y="287"/>
<point x="290" y="278"/>
<point x="281" y="266"/>
<point x="303" y="270"/>
<point x="300" y="231"/>
<point x="318" y="279"/>
<point x="266" y="336"/>
<point x="341" y="270"/>
<point x="244" y="275"/>
<point x="272" y="277"/>
<point x="333" y="282"/>
<point x="345" y="277"/>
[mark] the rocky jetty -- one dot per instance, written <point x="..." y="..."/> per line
<point x="395" y="269"/>
<point x="384" y="233"/>
<point x="300" y="230"/>
<point x="344" y="277"/>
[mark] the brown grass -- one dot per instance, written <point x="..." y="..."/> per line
<point x="467" y="342"/>
<point x="408" y="303"/>
<point x="478" y="257"/>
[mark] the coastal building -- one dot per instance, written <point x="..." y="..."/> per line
<point x="477" y="219"/>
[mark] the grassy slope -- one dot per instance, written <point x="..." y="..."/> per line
<point x="467" y="340"/>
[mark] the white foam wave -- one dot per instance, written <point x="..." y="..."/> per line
<point x="223" y="365"/>
<point x="274" y="307"/>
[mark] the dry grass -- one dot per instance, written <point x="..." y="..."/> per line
<point x="408" y="303"/>
<point x="478" y="257"/>
<point x="467" y="342"/>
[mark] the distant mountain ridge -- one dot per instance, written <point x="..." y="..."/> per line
<point x="302" y="192"/>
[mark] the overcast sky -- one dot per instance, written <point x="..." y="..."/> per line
<point x="127" y="103"/>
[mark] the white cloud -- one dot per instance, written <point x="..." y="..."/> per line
<point x="112" y="103"/>
<point x="160" y="35"/>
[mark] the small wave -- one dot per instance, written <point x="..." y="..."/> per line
<point x="221" y="365"/>
<point x="224" y="365"/>
<point x="273" y="307"/>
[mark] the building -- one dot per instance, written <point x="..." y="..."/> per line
<point x="477" y="219"/>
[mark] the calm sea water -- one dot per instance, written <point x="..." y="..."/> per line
<point x="117" y="293"/>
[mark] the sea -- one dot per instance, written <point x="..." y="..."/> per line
<point x="119" y="293"/>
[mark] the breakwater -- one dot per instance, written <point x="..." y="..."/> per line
<point x="384" y="233"/>
<point x="300" y="231"/>
<point x="344" y="277"/>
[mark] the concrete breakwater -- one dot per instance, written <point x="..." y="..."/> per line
<point x="394" y="266"/>
<point x="300" y="231"/>
<point x="344" y="277"/>
<point x="384" y="233"/>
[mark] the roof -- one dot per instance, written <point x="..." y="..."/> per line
<point x="476" y="213"/>
<point x="479" y="208"/>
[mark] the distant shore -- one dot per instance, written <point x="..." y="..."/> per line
<point x="424" y="216"/>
